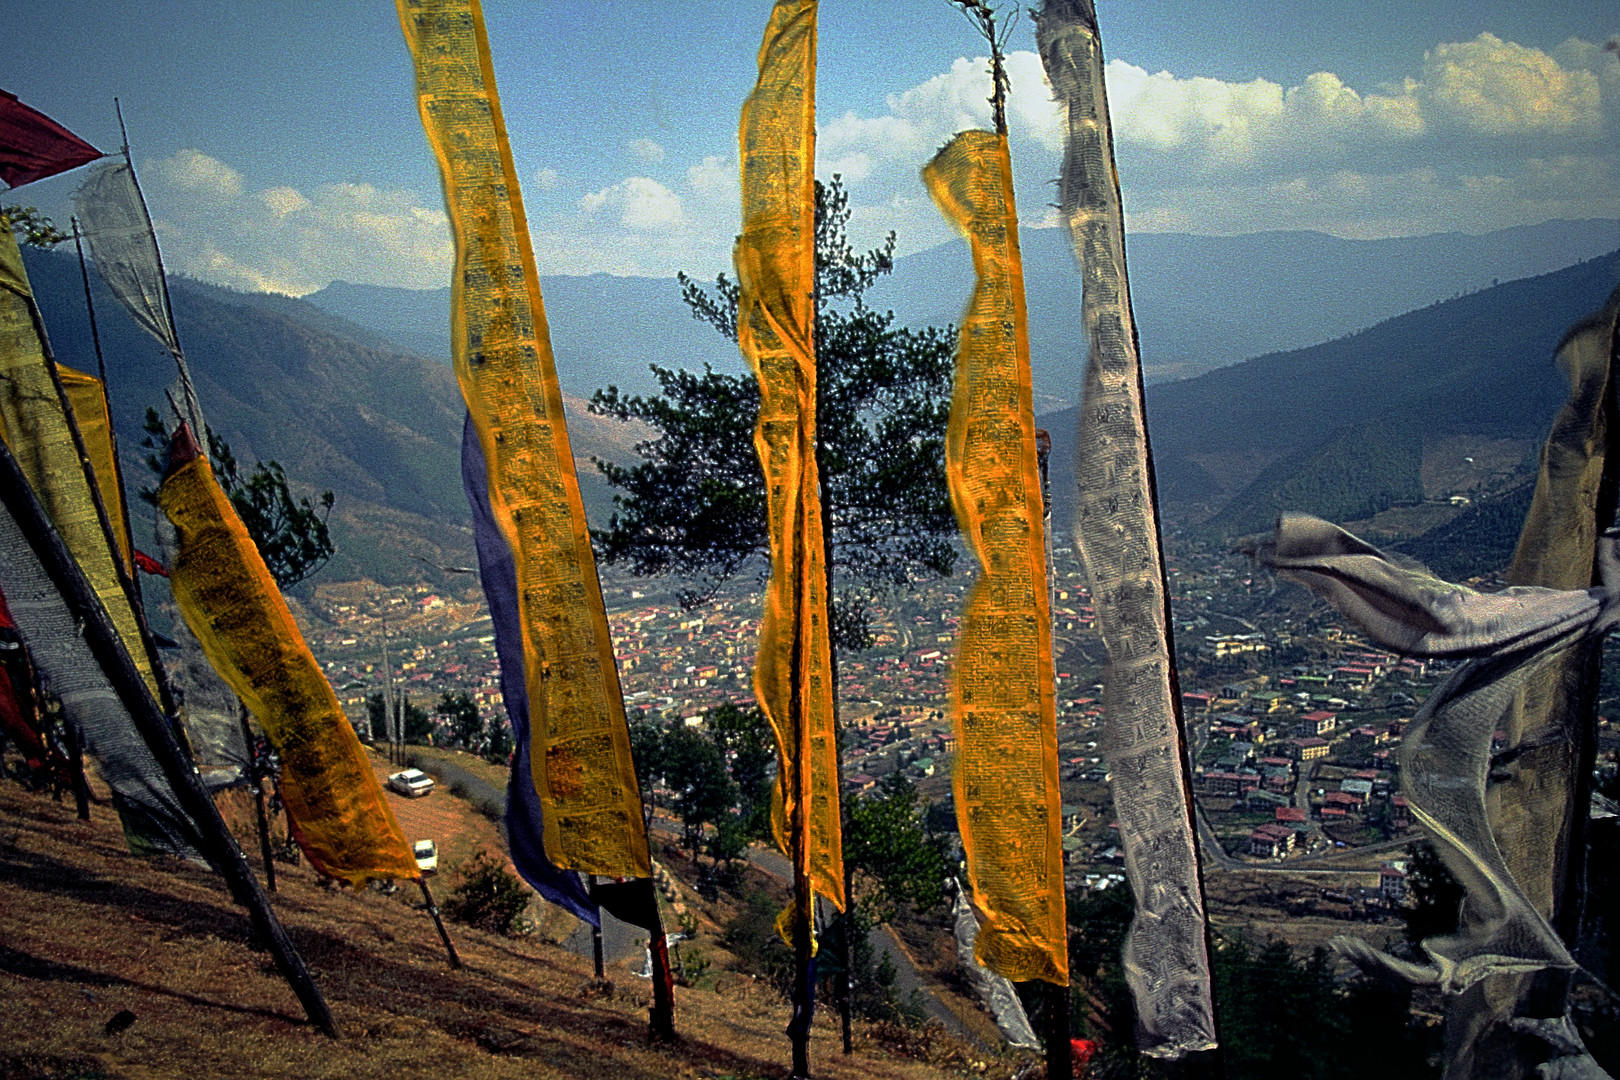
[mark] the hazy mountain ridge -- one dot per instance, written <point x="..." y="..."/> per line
<point x="1289" y="430"/>
<point x="1201" y="302"/>
<point x="336" y="403"/>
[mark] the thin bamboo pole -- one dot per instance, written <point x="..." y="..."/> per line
<point x="256" y="785"/>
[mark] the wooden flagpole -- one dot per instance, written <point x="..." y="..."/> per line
<point x="438" y="921"/>
<point x="256" y="785"/>
<point x="218" y="846"/>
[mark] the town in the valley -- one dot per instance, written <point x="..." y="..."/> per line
<point x="1294" y="720"/>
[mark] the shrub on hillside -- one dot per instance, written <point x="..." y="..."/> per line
<point x="488" y="896"/>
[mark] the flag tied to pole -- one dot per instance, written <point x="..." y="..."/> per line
<point x="579" y="743"/>
<point x="776" y="311"/>
<point x="335" y="804"/>
<point x="33" y="146"/>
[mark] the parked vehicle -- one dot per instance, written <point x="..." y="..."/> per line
<point x="427" y="856"/>
<point x="411" y="783"/>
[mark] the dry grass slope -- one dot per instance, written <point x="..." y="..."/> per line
<point x="88" y="932"/>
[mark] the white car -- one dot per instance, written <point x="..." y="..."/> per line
<point x="427" y="856"/>
<point x="411" y="783"/>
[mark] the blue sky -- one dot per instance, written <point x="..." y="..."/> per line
<point x="280" y="148"/>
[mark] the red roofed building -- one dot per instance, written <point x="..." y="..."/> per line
<point x="1318" y="723"/>
<point x="1271" y="841"/>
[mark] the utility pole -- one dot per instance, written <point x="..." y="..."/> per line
<point x="389" y="717"/>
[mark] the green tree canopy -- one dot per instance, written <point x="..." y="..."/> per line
<point x="695" y="505"/>
<point x="458" y="711"/>
<point x="291" y="534"/>
<point x="744" y="738"/>
<point x="893" y="858"/>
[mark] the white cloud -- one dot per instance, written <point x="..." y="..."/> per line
<point x="715" y="177"/>
<point x="284" y="240"/>
<point x="194" y="172"/>
<point x="646" y="150"/>
<point x="1478" y="134"/>
<point x="1475" y="135"/>
<point x="1496" y="87"/>
<point x="639" y="202"/>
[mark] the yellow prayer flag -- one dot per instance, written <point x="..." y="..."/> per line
<point x="1003" y="705"/>
<point x="580" y="742"/>
<point x="87" y="397"/>
<point x="34" y="424"/>
<point x="775" y="259"/>
<point x="335" y="805"/>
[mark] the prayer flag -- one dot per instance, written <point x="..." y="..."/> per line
<point x="1003" y="703"/>
<point x="579" y="753"/>
<point x="1166" y="952"/>
<point x="88" y="399"/>
<point x="33" y="146"/>
<point x="335" y="806"/>
<point x="112" y="215"/>
<point x="525" y="816"/>
<point x="35" y="425"/>
<point x="775" y="260"/>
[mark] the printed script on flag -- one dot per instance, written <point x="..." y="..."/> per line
<point x="34" y="421"/>
<point x="335" y="806"/>
<point x="775" y="259"/>
<point x="1003" y="706"/>
<point x="1166" y="959"/>
<point x="580" y="748"/>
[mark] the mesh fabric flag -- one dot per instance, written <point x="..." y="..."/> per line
<point x="1166" y="955"/>
<point x="1508" y="822"/>
<point x="113" y="217"/>
<point x="33" y="146"/>
<point x="1003" y="704"/>
<point x="579" y="753"/>
<point x="34" y="422"/>
<point x="335" y="806"/>
<point x="775" y="259"/>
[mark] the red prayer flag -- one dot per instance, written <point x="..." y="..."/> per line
<point x="33" y="146"/>
<point x="148" y="565"/>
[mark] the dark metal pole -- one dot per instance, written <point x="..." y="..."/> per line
<point x="218" y="846"/>
<point x="1059" y="1062"/>
<point x="596" y="931"/>
<point x="438" y="921"/>
<point x="256" y="785"/>
<point x="81" y="786"/>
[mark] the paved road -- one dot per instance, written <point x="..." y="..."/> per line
<point x="908" y="980"/>
<point x="620" y="941"/>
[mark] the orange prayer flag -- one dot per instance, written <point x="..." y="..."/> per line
<point x="1003" y="704"/>
<point x="334" y="803"/>
<point x="775" y="260"/>
<point x="580" y="740"/>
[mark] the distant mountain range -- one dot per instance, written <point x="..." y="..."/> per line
<point x="339" y="405"/>
<point x="1452" y="399"/>
<point x="351" y="390"/>
<point x="1201" y="302"/>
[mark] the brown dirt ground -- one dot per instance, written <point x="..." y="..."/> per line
<point x="87" y="931"/>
